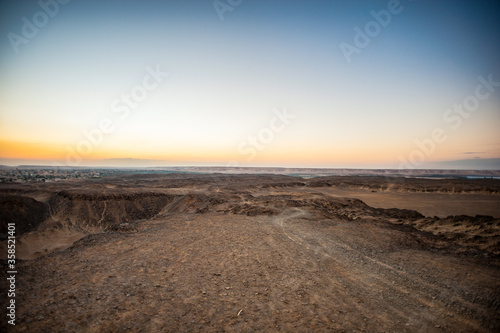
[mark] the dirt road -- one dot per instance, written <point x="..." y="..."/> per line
<point x="214" y="272"/>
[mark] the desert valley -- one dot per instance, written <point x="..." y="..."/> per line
<point x="246" y="252"/>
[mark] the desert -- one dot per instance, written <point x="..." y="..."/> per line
<point x="246" y="252"/>
<point x="250" y="166"/>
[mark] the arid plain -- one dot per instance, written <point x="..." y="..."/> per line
<point x="245" y="253"/>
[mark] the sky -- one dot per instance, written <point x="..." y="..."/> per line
<point x="327" y="84"/>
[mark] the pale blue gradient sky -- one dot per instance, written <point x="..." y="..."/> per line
<point x="226" y="78"/>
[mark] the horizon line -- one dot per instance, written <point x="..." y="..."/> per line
<point x="235" y="167"/>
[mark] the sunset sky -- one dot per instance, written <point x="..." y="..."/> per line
<point x="250" y="83"/>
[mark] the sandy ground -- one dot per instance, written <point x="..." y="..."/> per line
<point x="245" y="254"/>
<point x="429" y="204"/>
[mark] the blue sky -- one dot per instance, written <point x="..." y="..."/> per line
<point x="227" y="79"/>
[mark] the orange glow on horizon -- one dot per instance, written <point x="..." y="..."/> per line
<point x="270" y="156"/>
<point x="33" y="150"/>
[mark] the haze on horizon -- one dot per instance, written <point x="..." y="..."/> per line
<point x="251" y="83"/>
